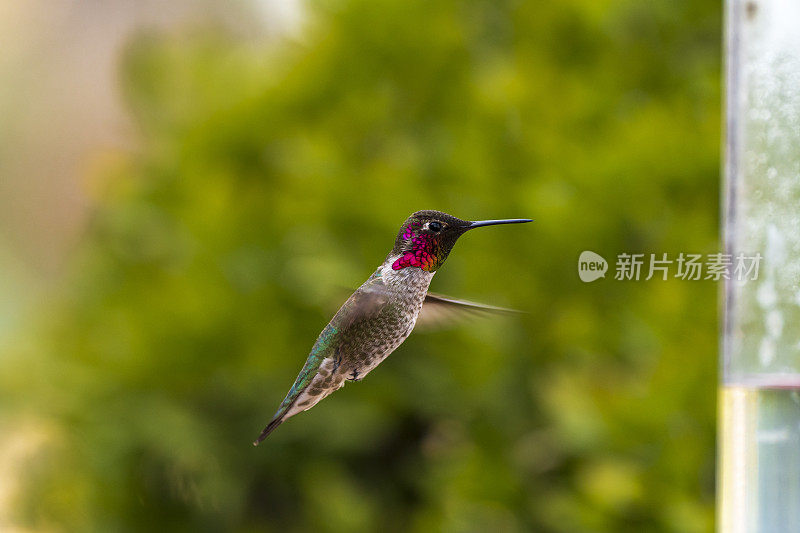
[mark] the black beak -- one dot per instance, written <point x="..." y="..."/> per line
<point x="481" y="223"/>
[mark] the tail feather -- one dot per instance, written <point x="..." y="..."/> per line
<point x="297" y="393"/>
<point x="277" y="421"/>
<point x="280" y="416"/>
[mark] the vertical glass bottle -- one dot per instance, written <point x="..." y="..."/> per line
<point x="759" y="433"/>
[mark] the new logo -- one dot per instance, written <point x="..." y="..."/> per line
<point x="591" y="266"/>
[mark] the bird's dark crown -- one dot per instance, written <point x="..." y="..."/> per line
<point x="426" y="238"/>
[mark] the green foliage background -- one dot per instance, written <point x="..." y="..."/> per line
<point x="269" y="176"/>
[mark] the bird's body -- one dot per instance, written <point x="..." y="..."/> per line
<point x="380" y="314"/>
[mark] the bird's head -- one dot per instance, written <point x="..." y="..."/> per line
<point x="426" y="238"/>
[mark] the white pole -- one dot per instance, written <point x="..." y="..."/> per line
<point x="759" y="466"/>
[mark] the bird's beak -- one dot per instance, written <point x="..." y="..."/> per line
<point x="481" y="223"/>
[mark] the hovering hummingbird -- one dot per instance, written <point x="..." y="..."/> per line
<point x="381" y="313"/>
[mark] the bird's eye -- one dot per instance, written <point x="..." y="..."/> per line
<point x="435" y="226"/>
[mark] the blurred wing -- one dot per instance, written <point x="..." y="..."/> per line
<point x="363" y="304"/>
<point x="440" y="311"/>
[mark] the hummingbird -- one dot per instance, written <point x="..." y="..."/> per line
<point x="381" y="313"/>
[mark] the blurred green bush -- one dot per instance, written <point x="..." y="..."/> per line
<point x="270" y="176"/>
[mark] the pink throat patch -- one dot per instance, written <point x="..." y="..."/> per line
<point x="419" y="258"/>
<point x="421" y="254"/>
